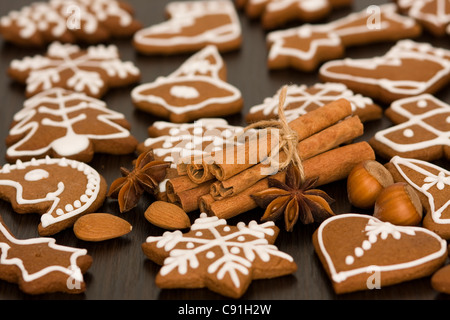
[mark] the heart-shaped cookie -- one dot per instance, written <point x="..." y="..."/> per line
<point x="360" y="252"/>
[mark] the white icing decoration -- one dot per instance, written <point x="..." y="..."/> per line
<point x="354" y="24"/>
<point x="408" y="133"/>
<point x="404" y="49"/>
<point x="229" y="262"/>
<point x="72" y="271"/>
<point x="53" y="16"/>
<point x="377" y="230"/>
<point x="72" y="143"/>
<point x="181" y="143"/>
<point x="184" y="92"/>
<point x="36" y="175"/>
<point x="186" y="75"/>
<point x="185" y="15"/>
<point x="441" y="181"/>
<point x="61" y="210"/>
<point x="298" y="94"/>
<point x="442" y="137"/>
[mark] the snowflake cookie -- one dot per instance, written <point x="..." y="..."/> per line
<point x="360" y="252"/>
<point x="69" y="21"/>
<point x="197" y="89"/>
<point x="92" y="71"/>
<point x="433" y="15"/>
<point x="432" y="184"/>
<point x="39" y="265"/>
<point x="192" y="25"/>
<point x="301" y="99"/>
<point x="62" y="123"/>
<point x="223" y="258"/>
<point x="60" y="190"/>
<point x="421" y="130"/>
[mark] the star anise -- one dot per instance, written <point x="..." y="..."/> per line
<point x="145" y="177"/>
<point x="295" y="198"/>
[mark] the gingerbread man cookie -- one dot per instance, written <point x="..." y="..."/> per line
<point x="407" y="69"/>
<point x="221" y="257"/>
<point x="307" y="46"/>
<point x="432" y="184"/>
<point x="275" y="13"/>
<point x="197" y="89"/>
<point x="433" y="15"/>
<point x="192" y="25"/>
<point x="301" y="99"/>
<point x="360" y="252"/>
<point x="69" y="21"/>
<point x="422" y="129"/>
<point x="61" y="190"/>
<point x="92" y="71"/>
<point x="63" y="123"/>
<point x="39" y="265"/>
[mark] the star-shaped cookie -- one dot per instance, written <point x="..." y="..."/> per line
<point x="39" y="265"/>
<point x="218" y="256"/>
<point x="92" y="71"/>
<point x="306" y="46"/>
<point x="433" y="15"/>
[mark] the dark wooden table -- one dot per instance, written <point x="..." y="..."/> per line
<point x="120" y="270"/>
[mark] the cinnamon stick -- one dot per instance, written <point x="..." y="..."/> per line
<point x="177" y="185"/>
<point x="188" y="199"/>
<point x="329" y="166"/>
<point x="305" y="126"/>
<point x="329" y="138"/>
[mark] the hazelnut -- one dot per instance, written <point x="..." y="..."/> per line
<point x="365" y="182"/>
<point x="399" y="204"/>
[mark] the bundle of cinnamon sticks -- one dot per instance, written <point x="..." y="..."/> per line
<point x="224" y="188"/>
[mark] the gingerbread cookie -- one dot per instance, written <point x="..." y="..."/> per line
<point x="301" y="99"/>
<point x="421" y="130"/>
<point x="407" y="69"/>
<point x="197" y="89"/>
<point x="39" y="265"/>
<point x="63" y="123"/>
<point x="175" y="141"/>
<point x="92" y="71"/>
<point x="440" y="281"/>
<point x="432" y="183"/>
<point x="307" y="46"/>
<point x="221" y="257"/>
<point x="360" y="252"/>
<point x="433" y="15"/>
<point x="69" y="21"/>
<point x="192" y="25"/>
<point x="61" y="190"/>
<point x="275" y="13"/>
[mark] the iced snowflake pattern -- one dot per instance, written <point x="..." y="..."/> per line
<point x="228" y="250"/>
<point x="91" y="71"/>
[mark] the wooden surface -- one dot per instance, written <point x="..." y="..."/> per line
<point x="120" y="270"/>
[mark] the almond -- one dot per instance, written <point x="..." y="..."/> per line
<point x="100" y="226"/>
<point x="167" y="215"/>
